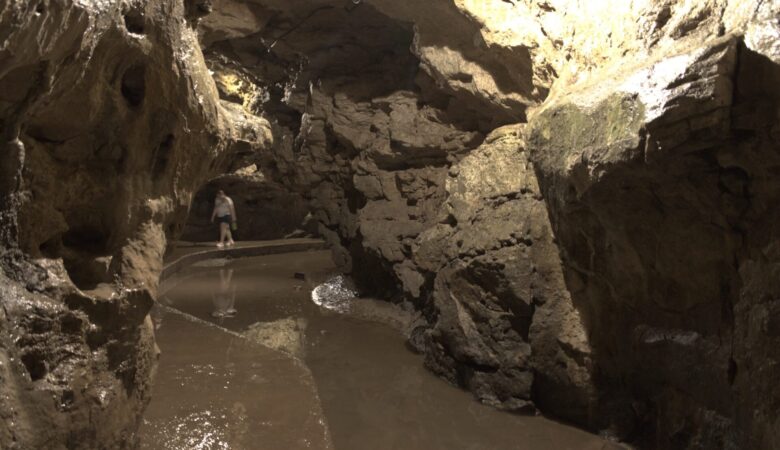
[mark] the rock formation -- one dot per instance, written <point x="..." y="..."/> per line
<point x="609" y="292"/>
<point x="109" y="122"/>
<point x="657" y="182"/>
<point x="576" y="196"/>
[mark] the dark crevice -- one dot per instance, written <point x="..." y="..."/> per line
<point x="35" y="364"/>
<point x="162" y="155"/>
<point x="52" y="248"/>
<point x="135" y="22"/>
<point x="81" y="249"/>
<point x="86" y="239"/>
<point x="134" y="85"/>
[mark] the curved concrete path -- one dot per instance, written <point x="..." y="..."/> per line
<point x="188" y="253"/>
<point x="217" y="389"/>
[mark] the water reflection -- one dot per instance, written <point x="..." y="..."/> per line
<point x="224" y="295"/>
<point x="374" y="393"/>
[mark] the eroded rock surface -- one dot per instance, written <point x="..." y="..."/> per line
<point x="657" y="184"/>
<point x="110" y="121"/>
<point x="607" y="291"/>
<point x="503" y="322"/>
<point x="576" y="196"/>
<point x="287" y="335"/>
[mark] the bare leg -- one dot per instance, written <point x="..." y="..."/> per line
<point x="223" y="230"/>
<point x="229" y="235"/>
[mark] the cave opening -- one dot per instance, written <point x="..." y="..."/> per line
<point x="35" y="363"/>
<point x="266" y="210"/>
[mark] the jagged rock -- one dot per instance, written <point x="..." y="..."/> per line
<point x="658" y="206"/>
<point x="110" y="120"/>
<point x="649" y="151"/>
<point x="390" y="152"/>
<point x="504" y="324"/>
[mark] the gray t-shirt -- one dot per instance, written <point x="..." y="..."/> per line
<point x="222" y="206"/>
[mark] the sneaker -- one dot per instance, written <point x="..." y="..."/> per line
<point x="231" y="312"/>
<point x="231" y="243"/>
<point x="217" y="314"/>
<point x="220" y="245"/>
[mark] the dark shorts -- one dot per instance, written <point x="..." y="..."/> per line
<point x="225" y="219"/>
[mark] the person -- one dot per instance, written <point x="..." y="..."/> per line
<point x="225" y="213"/>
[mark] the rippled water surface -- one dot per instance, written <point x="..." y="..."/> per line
<point x="353" y="385"/>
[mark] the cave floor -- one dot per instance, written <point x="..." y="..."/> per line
<point x="352" y="384"/>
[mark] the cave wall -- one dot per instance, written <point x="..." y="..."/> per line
<point x="608" y="290"/>
<point x="575" y="195"/>
<point x="657" y="181"/>
<point x="110" y="121"/>
<point x="375" y="133"/>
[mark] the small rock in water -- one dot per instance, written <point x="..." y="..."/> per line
<point x="287" y="335"/>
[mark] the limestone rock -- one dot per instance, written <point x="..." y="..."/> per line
<point x="110" y="120"/>
<point x="658" y="207"/>
<point x="625" y="99"/>
<point x="504" y="325"/>
<point x="287" y="335"/>
<point x="612" y="262"/>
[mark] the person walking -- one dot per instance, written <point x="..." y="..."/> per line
<point x="225" y="213"/>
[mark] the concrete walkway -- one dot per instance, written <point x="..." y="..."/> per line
<point x="188" y="253"/>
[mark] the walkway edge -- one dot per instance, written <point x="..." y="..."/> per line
<point x="245" y="250"/>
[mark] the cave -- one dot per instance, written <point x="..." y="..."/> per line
<point x="445" y="224"/>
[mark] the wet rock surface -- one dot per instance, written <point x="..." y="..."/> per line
<point x="287" y="335"/>
<point x="574" y="198"/>
<point x="605" y="291"/>
<point x="657" y="186"/>
<point x="110" y="120"/>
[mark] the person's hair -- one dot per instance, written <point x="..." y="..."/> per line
<point x="220" y="192"/>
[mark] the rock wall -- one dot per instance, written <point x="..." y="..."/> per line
<point x="622" y="290"/>
<point x="657" y="179"/>
<point x="375" y="133"/>
<point x="110" y="121"/>
<point x="502" y="321"/>
<point x="576" y="196"/>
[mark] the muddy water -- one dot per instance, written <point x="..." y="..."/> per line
<point x="357" y="388"/>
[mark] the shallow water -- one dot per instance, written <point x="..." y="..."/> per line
<point x="358" y="387"/>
